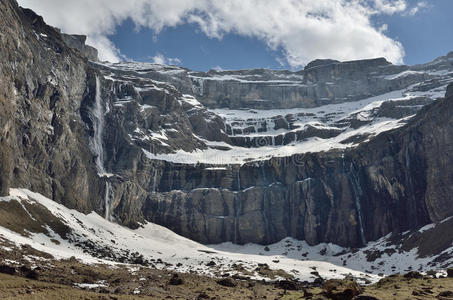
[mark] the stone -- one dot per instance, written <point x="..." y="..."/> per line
<point x="175" y="280"/>
<point x="7" y="269"/>
<point x="226" y="282"/>
<point x="341" y="289"/>
<point x="450" y="272"/>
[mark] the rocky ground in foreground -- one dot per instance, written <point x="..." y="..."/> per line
<point x="26" y="273"/>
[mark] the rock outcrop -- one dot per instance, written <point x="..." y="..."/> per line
<point x="77" y="41"/>
<point x="44" y="142"/>
<point x="366" y="149"/>
<point x="318" y="84"/>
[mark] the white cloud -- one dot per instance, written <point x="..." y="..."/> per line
<point x="390" y="7"/>
<point x="303" y="29"/>
<point x="414" y="10"/>
<point x="162" y="60"/>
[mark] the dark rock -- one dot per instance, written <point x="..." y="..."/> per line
<point x="175" y="280"/>
<point x="227" y="282"/>
<point x="203" y="295"/>
<point x="341" y="289"/>
<point x="445" y="294"/>
<point x="449" y="92"/>
<point x="211" y="264"/>
<point x="413" y="274"/>
<point x="318" y="281"/>
<point x="450" y="272"/>
<point x="7" y="269"/>
<point x="286" y="285"/>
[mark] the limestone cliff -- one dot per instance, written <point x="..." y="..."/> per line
<point x="341" y="152"/>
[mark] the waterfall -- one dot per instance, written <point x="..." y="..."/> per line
<point x="236" y="214"/>
<point x="263" y="173"/>
<point x="98" y="118"/>
<point x="107" y="200"/>
<point x="264" y="215"/>
<point x="98" y="127"/>
<point x="236" y="204"/>
<point x="154" y="180"/>
<point x="357" y="192"/>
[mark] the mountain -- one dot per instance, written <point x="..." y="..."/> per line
<point x="356" y="153"/>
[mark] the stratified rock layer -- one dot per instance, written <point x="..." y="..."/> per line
<point x="52" y="102"/>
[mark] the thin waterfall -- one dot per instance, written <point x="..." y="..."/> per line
<point x="263" y="213"/>
<point x="98" y="127"/>
<point x="98" y="118"/>
<point x="357" y="193"/>
<point x="155" y="180"/>
<point x="236" y="212"/>
<point x="236" y="205"/>
<point x="107" y="200"/>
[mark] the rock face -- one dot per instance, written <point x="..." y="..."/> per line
<point x="321" y="82"/>
<point x="43" y="139"/>
<point x="364" y="150"/>
<point x="78" y="42"/>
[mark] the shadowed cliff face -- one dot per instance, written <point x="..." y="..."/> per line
<point x="43" y="139"/>
<point x="398" y="181"/>
<point x="132" y="142"/>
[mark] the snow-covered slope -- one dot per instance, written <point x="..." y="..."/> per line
<point x="93" y="239"/>
<point x="248" y="133"/>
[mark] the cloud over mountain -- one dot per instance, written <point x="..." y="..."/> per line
<point x="302" y="29"/>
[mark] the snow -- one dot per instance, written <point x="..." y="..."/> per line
<point x="402" y="74"/>
<point x="89" y="285"/>
<point x="142" y="67"/>
<point x="240" y="155"/>
<point x="153" y="241"/>
<point x="190" y="100"/>
<point x="239" y="78"/>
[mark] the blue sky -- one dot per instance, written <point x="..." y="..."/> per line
<point x="240" y="34"/>
<point x="193" y="48"/>
<point x="426" y="35"/>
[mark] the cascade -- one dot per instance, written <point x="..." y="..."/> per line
<point x="98" y="118"/>
<point x="236" y="213"/>
<point x="107" y="201"/>
<point x="357" y="192"/>
<point x="263" y="213"/>
<point x="154" y="180"/>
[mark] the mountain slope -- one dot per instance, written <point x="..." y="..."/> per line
<point x="340" y="152"/>
<point x="62" y="233"/>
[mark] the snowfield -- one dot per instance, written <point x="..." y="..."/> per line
<point x="157" y="243"/>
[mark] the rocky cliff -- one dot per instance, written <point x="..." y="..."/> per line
<point x="44" y="142"/>
<point x="341" y="152"/>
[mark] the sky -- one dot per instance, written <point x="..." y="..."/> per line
<point x="242" y="34"/>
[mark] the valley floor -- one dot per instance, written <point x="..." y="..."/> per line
<point x="70" y="279"/>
